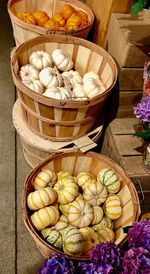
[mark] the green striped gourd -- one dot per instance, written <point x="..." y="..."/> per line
<point x="41" y="198"/>
<point x="90" y="239"/>
<point x="95" y="193"/>
<point x="83" y="179"/>
<point x="44" y="178"/>
<point x="47" y="216"/>
<point x="73" y="242"/>
<point x="98" y="214"/>
<point x="110" y="179"/>
<point x="106" y="234"/>
<point x="63" y="174"/>
<point x="80" y="213"/>
<point x="62" y="224"/>
<point x="106" y="222"/>
<point x="112" y="206"/>
<point x="53" y="237"/>
<point x="64" y="208"/>
<point x="67" y="190"/>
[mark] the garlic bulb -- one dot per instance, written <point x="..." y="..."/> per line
<point x="28" y="72"/>
<point x="49" y="78"/>
<point x="40" y="59"/>
<point x="61" y="60"/>
<point x="35" y="85"/>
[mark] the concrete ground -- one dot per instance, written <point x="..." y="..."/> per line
<point x="18" y="252"/>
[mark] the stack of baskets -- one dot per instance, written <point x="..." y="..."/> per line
<point x="47" y="126"/>
<point x="52" y="119"/>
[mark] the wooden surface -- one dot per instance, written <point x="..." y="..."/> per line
<point x="132" y="36"/>
<point x="127" y="150"/>
<point x="18" y="253"/>
<point x="103" y="10"/>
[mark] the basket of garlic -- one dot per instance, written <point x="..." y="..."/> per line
<point x="62" y="83"/>
<point x="33" y="18"/>
<point x="73" y="201"/>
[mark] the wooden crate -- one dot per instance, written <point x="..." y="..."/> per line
<point x="103" y="10"/>
<point x="132" y="36"/>
<point x="127" y="150"/>
<point x="128" y="100"/>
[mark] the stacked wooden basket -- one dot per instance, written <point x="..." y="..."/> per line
<point x="48" y="125"/>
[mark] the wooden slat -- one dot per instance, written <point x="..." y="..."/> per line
<point x="129" y="98"/>
<point x="128" y="31"/>
<point x="102" y="10"/>
<point x="131" y="78"/>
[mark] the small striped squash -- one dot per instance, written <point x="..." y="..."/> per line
<point x="62" y="223"/>
<point x="64" y="208"/>
<point x="80" y="213"/>
<point x="73" y="242"/>
<point x="112" y="207"/>
<point x="63" y="174"/>
<point x="95" y="193"/>
<point x="98" y="215"/>
<point x="44" y="178"/>
<point x="110" y="179"/>
<point x="105" y="222"/>
<point x="67" y="190"/>
<point x="53" y="237"/>
<point x="83" y="179"/>
<point x="106" y="234"/>
<point x="47" y="216"/>
<point x="41" y="198"/>
<point x="90" y="237"/>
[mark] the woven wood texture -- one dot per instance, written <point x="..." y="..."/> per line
<point x="70" y="119"/>
<point x="35" y="148"/>
<point x="76" y="162"/>
<point x="24" y="31"/>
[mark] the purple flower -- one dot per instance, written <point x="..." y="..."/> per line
<point x="142" y="110"/>
<point x="136" y="261"/>
<point x="57" y="264"/>
<point x="107" y="256"/>
<point x="91" y="268"/>
<point x="139" y="235"/>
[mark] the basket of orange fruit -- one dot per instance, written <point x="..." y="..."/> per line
<point x="33" y="18"/>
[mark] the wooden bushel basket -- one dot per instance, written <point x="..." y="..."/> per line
<point x="70" y="119"/>
<point x="23" y="31"/>
<point x="36" y="149"/>
<point x="76" y="162"/>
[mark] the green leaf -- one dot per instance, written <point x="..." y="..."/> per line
<point x="148" y="69"/>
<point x="144" y="134"/>
<point x="139" y="5"/>
<point x="126" y="228"/>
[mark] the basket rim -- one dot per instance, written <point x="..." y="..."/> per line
<point x="29" y="225"/>
<point x="77" y="3"/>
<point x="68" y="40"/>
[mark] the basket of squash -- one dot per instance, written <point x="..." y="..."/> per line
<point x="73" y="201"/>
<point x="62" y="83"/>
<point x="33" y="18"/>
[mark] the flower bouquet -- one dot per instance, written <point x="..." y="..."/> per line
<point x="142" y="112"/>
<point x="108" y="258"/>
